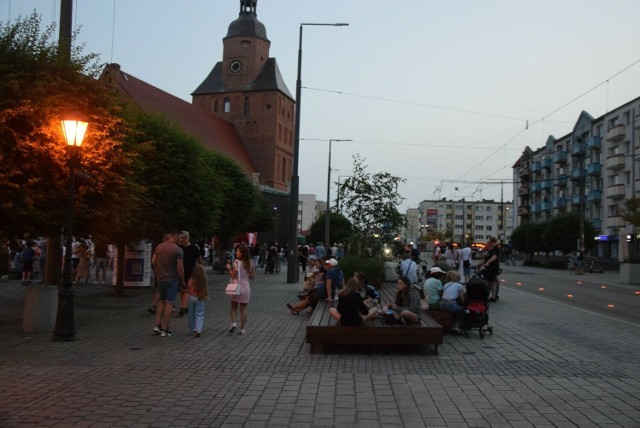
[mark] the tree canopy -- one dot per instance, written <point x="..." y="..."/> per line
<point x="371" y="202"/>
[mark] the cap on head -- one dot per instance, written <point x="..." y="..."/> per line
<point x="332" y="262"/>
<point x="436" y="269"/>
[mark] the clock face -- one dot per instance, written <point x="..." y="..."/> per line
<point x="235" y="66"/>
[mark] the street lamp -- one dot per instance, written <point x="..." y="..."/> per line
<point x="327" y="219"/>
<point x="73" y="129"/>
<point x="292" y="267"/>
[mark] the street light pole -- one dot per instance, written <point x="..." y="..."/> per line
<point x="292" y="266"/>
<point x="327" y="220"/>
<point x="74" y="130"/>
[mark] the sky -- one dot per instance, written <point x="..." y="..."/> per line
<point x="445" y="94"/>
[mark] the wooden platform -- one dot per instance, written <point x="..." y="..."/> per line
<point x="324" y="330"/>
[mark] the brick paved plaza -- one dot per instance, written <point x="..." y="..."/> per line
<point x="547" y="364"/>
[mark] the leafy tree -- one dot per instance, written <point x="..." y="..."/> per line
<point x="340" y="228"/>
<point x="631" y="211"/>
<point x="370" y="202"/>
<point x="35" y="91"/>
<point x="562" y="232"/>
<point x="527" y="238"/>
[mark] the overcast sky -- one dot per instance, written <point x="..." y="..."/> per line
<point x="436" y="92"/>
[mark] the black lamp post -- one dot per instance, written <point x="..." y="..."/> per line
<point x="327" y="220"/>
<point x="74" y="130"/>
<point x="292" y="266"/>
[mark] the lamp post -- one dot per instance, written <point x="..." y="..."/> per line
<point x="327" y="220"/>
<point x="73" y="129"/>
<point x="292" y="267"/>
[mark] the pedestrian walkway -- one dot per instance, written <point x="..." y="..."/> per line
<point x="547" y="364"/>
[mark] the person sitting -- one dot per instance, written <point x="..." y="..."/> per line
<point x="351" y="310"/>
<point x="407" y="302"/>
<point x="432" y="288"/>
<point x="390" y="270"/>
<point x="453" y="298"/>
<point x="369" y="294"/>
<point x="333" y="279"/>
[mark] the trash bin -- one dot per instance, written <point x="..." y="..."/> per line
<point x="40" y="308"/>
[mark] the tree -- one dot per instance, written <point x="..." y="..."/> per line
<point x="370" y="202"/>
<point x="341" y="228"/>
<point x="562" y="232"/>
<point x="527" y="238"/>
<point x="35" y="91"/>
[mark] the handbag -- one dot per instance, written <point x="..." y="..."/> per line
<point x="233" y="288"/>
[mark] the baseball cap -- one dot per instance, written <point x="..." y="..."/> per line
<point x="332" y="262"/>
<point x="436" y="269"/>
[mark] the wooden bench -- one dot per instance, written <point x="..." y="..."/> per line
<point x="322" y="329"/>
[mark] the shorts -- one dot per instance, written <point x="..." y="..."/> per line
<point x="490" y="276"/>
<point x="27" y="266"/>
<point x="168" y="290"/>
<point x="101" y="264"/>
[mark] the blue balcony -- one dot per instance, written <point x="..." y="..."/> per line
<point x="546" y="163"/>
<point x="575" y="200"/>
<point x="560" y="203"/>
<point x="559" y="157"/>
<point x="594" y="142"/>
<point x="536" y="167"/>
<point x="597" y="223"/>
<point x="545" y="206"/>
<point x="576" y="174"/>
<point x="535" y="208"/>
<point x="578" y="149"/>
<point x="594" y="195"/>
<point x="560" y="180"/>
<point x="594" y="168"/>
<point x="545" y="185"/>
<point x="535" y="187"/>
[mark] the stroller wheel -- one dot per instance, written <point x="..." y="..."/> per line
<point x="466" y="334"/>
<point x="481" y="334"/>
<point x="490" y="330"/>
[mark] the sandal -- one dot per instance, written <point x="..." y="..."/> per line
<point x="293" y="311"/>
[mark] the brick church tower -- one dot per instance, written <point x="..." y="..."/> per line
<point x="246" y="89"/>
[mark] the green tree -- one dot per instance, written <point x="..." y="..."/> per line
<point x="35" y="91"/>
<point x="370" y="202"/>
<point x="527" y="238"/>
<point x="340" y="227"/>
<point x="562" y="232"/>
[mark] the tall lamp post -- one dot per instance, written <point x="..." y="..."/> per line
<point x="327" y="220"/>
<point x="74" y="130"/>
<point x="292" y="266"/>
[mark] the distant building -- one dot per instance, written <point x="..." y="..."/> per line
<point x="467" y="221"/>
<point x="591" y="170"/>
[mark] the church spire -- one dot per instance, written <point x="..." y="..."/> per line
<point x="248" y="6"/>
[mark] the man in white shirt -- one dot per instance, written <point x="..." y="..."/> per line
<point x="409" y="268"/>
<point x="466" y="262"/>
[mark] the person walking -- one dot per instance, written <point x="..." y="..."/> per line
<point x="198" y="293"/>
<point x="168" y="263"/>
<point x="242" y="271"/>
<point x="191" y="256"/>
<point x="100" y="260"/>
<point x="491" y="265"/>
<point x="28" y="257"/>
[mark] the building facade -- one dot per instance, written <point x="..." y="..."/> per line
<point x="467" y="221"/>
<point x="591" y="170"/>
<point x="247" y="89"/>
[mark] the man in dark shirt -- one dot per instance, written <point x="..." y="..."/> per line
<point x="191" y="256"/>
<point x="491" y="266"/>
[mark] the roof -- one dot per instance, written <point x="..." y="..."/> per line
<point x="247" y="25"/>
<point x="269" y="79"/>
<point x="213" y="131"/>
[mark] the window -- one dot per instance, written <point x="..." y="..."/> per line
<point x="627" y="178"/>
<point x="612" y="210"/>
<point x="247" y="106"/>
<point x="227" y="105"/>
<point x="479" y="208"/>
<point x="479" y="217"/>
<point x="489" y="228"/>
<point x="459" y="217"/>
<point x="479" y="227"/>
<point x="489" y="218"/>
<point x="613" y="180"/>
<point x="489" y="208"/>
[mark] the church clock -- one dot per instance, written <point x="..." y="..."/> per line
<point x="235" y="66"/>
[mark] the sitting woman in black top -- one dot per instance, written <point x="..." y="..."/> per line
<point x="351" y="310"/>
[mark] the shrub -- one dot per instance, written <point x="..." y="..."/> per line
<point x="370" y="266"/>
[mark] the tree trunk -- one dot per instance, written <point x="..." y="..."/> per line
<point x="53" y="265"/>
<point x="120" y="271"/>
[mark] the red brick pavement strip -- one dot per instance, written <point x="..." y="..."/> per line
<point x="546" y="364"/>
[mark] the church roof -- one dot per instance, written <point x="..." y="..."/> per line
<point x="269" y="79"/>
<point x="247" y="24"/>
<point x="213" y="131"/>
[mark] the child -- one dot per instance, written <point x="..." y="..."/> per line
<point x="198" y="293"/>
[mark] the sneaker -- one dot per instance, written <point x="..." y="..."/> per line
<point x="233" y="328"/>
<point x="157" y="329"/>
<point x="166" y="333"/>
<point x="196" y="334"/>
<point x="243" y="331"/>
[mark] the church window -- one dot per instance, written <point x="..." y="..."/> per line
<point x="215" y="106"/>
<point x="279" y="132"/>
<point x="255" y="129"/>
<point x="283" y="175"/>
<point x="247" y="106"/>
<point x="227" y="105"/>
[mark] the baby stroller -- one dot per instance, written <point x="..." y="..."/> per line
<point x="477" y="307"/>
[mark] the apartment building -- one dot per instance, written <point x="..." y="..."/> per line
<point x="591" y="170"/>
<point x="467" y="220"/>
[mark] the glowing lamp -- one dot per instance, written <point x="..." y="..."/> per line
<point x="74" y="130"/>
